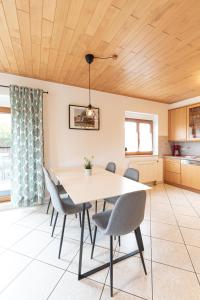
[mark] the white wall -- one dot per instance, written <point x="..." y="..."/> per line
<point x="68" y="147"/>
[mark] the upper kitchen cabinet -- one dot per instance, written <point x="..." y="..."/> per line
<point x="177" y="124"/>
<point x="193" y="126"/>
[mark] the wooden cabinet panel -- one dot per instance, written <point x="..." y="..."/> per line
<point x="173" y="165"/>
<point x="177" y="130"/>
<point x="173" y="177"/>
<point x="190" y="175"/>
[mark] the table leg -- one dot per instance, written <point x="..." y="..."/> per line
<point x="81" y="243"/>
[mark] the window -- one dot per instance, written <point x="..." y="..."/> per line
<point x="138" y="136"/>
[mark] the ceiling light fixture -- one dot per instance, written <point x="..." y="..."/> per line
<point x="89" y="59"/>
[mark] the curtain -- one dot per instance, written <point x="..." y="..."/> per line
<point x="27" y="146"/>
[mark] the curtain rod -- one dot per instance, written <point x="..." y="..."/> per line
<point x="7" y="86"/>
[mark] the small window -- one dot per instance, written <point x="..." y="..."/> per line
<point x="138" y="136"/>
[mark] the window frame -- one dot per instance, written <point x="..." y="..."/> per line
<point x="138" y="121"/>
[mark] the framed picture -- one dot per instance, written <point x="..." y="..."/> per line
<point x="79" y="120"/>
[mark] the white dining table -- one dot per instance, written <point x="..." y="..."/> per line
<point x="100" y="185"/>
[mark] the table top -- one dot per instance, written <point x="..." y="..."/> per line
<point x="101" y="184"/>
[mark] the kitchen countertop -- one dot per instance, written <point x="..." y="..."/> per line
<point x="187" y="157"/>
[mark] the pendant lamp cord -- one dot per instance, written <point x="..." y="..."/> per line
<point x="89" y="87"/>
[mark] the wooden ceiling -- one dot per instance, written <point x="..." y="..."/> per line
<point x="157" y="43"/>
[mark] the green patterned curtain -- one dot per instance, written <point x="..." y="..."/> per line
<point x="27" y="146"/>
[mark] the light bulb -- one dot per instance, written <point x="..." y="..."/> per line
<point x="90" y="111"/>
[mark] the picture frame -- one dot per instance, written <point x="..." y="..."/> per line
<point x="79" y="120"/>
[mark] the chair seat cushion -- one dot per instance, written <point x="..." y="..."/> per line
<point x="71" y="208"/>
<point x="101" y="219"/>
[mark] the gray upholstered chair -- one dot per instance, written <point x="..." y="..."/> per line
<point x="63" y="206"/>
<point x="130" y="173"/>
<point x="61" y="192"/>
<point x="110" y="167"/>
<point x="126" y="216"/>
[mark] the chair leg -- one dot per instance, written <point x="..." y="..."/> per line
<point x="54" y="225"/>
<point x="138" y="236"/>
<point x="140" y="247"/>
<point x="76" y="216"/>
<point x="62" y="235"/>
<point x="89" y="225"/>
<point x="111" y="266"/>
<point x="119" y="240"/>
<point x="94" y="240"/>
<point x="52" y="214"/>
<point x="79" y="218"/>
<point x="104" y="205"/>
<point x="95" y="206"/>
<point x="48" y="206"/>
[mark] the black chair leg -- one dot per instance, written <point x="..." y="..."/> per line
<point x="138" y="236"/>
<point x="89" y="225"/>
<point x="111" y="266"/>
<point x="95" y="206"/>
<point x="54" y="225"/>
<point x="104" y="205"/>
<point x="79" y="218"/>
<point x="62" y="235"/>
<point x="93" y="243"/>
<point x="140" y="247"/>
<point x="119" y="240"/>
<point x="52" y="214"/>
<point x="48" y="206"/>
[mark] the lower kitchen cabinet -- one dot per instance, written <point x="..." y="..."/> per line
<point x="190" y="174"/>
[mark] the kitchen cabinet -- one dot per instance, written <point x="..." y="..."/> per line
<point x="172" y="170"/>
<point x="177" y="124"/>
<point x="190" y="174"/>
<point x="193" y="123"/>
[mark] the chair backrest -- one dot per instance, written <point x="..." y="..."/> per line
<point x="127" y="214"/>
<point x="132" y="174"/>
<point x="111" y="167"/>
<point x="52" y="189"/>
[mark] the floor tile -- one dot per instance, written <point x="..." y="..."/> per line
<point x="173" y="284"/>
<point x="101" y="256"/>
<point x="50" y="253"/>
<point x="32" y="243"/>
<point x="191" y="236"/>
<point x="129" y="276"/>
<point x="129" y="244"/>
<point x="35" y="282"/>
<point x="73" y="231"/>
<point x="12" y="234"/>
<point x="186" y="211"/>
<point x="11" y="265"/>
<point x="117" y="295"/>
<point x="163" y="217"/>
<point x="195" y="256"/>
<point x="189" y="222"/>
<point x="71" y="288"/>
<point x="171" y="253"/>
<point x="45" y="226"/>
<point x="166" y="232"/>
<point x="34" y="220"/>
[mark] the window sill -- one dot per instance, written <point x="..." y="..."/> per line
<point x="127" y="155"/>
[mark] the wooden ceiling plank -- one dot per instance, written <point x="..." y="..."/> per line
<point x="36" y="33"/>
<point x="74" y="13"/>
<point x="6" y="40"/>
<point x="98" y="16"/>
<point x="25" y="33"/>
<point x="47" y="28"/>
<point x="13" y="26"/>
<point x="49" y="8"/>
<point x="4" y="59"/>
<point x="23" y="5"/>
<point x="62" y="8"/>
<point x="85" y="16"/>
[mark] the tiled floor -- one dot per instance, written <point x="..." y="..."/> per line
<point x="29" y="268"/>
